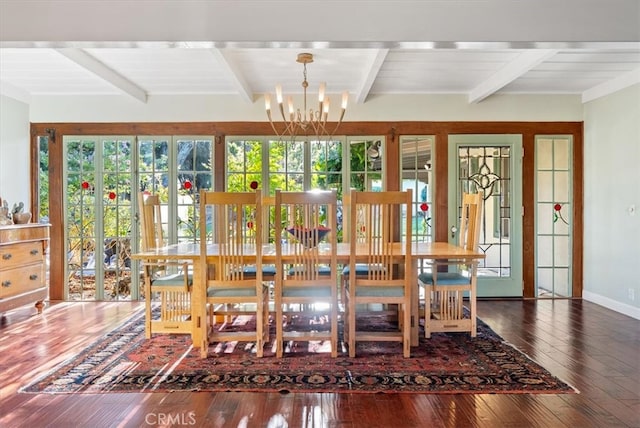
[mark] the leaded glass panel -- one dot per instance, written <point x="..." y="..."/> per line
<point x="553" y="216"/>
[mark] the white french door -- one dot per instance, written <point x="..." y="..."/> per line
<point x="103" y="175"/>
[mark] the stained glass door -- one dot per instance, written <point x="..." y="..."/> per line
<point x="491" y="165"/>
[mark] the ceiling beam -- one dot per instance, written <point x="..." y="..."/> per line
<point x="611" y="86"/>
<point x="100" y="69"/>
<point x="524" y="62"/>
<point x="371" y="73"/>
<point x="234" y="73"/>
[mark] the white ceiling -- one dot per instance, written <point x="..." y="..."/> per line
<point x="31" y="66"/>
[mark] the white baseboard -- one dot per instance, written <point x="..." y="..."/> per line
<point x="614" y="305"/>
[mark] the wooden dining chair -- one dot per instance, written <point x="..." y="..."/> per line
<point x="449" y="280"/>
<point x="231" y="242"/>
<point x="306" y="261"/>
<point x="171" y="280"/>
<point x="380" y="239"/>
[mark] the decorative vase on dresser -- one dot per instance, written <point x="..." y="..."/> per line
<point x="23" y="269"/>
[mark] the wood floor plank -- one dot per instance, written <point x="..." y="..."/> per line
<point x="278" y="408"/>
<point x="419" y="407"/>
<point x="594" y="349"/>
<point x="514" y="408"/>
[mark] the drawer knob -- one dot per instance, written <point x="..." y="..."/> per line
<point x="34" y="252"/>
<point x="6" y="256"/>
<point x="33" y="277"/>
<point x="6" y="283"/>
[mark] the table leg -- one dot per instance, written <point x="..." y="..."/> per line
<point x="198" y="310"/>
<point x="415" y="303"/>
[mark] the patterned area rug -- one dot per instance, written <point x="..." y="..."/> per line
<point x="124" y="361"/>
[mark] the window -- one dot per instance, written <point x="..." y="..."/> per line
<point x="554" y="212"/>
<point x="416" y="168"/>
<point x="297" y="165"/>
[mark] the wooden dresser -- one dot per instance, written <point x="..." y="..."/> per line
<point x="23" y="267"/>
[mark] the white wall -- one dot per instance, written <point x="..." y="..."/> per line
<point x="612" y="188"/>
<point x="15" y="184"/>
<point x="203" y="108"/>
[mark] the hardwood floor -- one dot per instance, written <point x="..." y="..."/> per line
<point x="594" y="349"/>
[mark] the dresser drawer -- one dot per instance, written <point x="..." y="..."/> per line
<point x="20" y="254"/>
<point x="20" y="280"/>
<point x="23" y="267"/>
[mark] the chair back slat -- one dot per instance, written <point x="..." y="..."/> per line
<point x="152" y="230"/>
<point x="150" y="222"/>
<point x="470" y="218"/>
<point x="302" y="221"/>
<point x="376" y="225"/>
<point x="268" y="218"/>
<point x="231" y="222"/>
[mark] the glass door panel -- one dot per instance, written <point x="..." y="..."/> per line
<point x="194" y="166"/>
<point x="103" y="177"/>
<point x="98" y="208"/>
<point x="80" y="218"/>
<point x="117" y="211"/>
<point x="286" y="166"/>
<point x="326" y="166"/>
<point x="491" y="165"/>
<point x="416" y="163"/>
<point x="366" y="162"/>
<point x="154" y="177"/>
<point x="42" y="186"/>
<point x="176" y="168"/>
<point x="554" y="237"/>
<point x="244" y="161"/>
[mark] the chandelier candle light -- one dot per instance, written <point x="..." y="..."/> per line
<point x="303" y="121"/>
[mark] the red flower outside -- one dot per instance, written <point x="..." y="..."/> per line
<point x="112" y="195"/>
<point x="253" y="185"/>
<point x="85" y="184"/>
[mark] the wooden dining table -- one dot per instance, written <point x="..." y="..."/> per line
<point x="190" y="252"/>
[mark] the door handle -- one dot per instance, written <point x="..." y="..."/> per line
<point x="453" y="231"/>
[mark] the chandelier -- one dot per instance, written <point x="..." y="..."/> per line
<point x="303" y="121"/>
